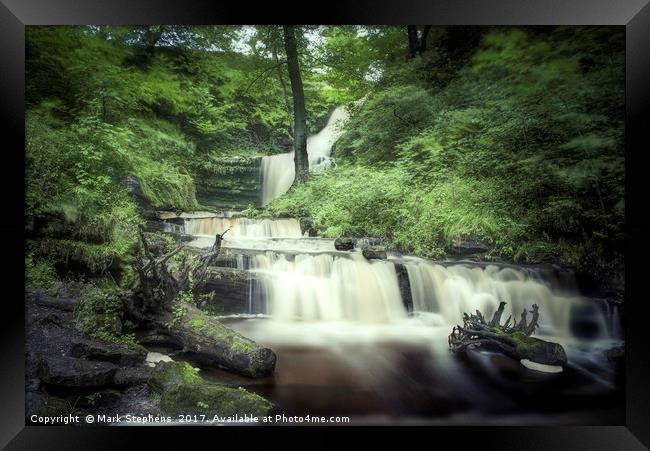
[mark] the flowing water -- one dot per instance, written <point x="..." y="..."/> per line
<point x="278" y="171"/>
<point x="369" y="338"/>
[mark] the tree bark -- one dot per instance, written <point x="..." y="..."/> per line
<point x="285" y="93"/>
<point x="417" y="41"/>
<point x="154" y="303"/>
<point x="423" y="39"/>
<point x="412" y="33"/>
<point x="301" y="158"/>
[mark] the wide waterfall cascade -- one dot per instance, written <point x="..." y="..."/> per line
<point x="278" y="171"/>
<point x="243" y="227"/>
<point x="298" y="280"/>
<point x="453" y="290"/>
<point x="326" y="287"/>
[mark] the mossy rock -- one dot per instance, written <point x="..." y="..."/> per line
<point x="119" y="353"/>
<point x="179" y="389"/>
<point x="168" y="374"/>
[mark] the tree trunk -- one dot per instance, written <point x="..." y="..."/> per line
<point x="412" y="32"/>
<point x="423" y="39"/>
<point x="301" y="158"/>
<point x="154" y="303"/>
<point x="285" y="93"/>
<point x="417" y="41"/>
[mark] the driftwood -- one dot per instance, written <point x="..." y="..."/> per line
<point x="161" y="301"/>
<point x="512" y="340"/>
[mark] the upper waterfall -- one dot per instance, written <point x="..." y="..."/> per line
<point x="243" y="227"/>
<point x="278" y="171"/>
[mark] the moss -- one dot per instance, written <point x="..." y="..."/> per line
<point x="215" y="399"/>
<point x="179" y="389"/>
<point x="174" y="373"/>
<point x="213" y="329"/>
<point x="197" y="323"/>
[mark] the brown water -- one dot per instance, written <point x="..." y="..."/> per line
<point x="375" y="380"/>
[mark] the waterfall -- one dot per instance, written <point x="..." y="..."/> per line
<point x="326" y="287"/>
<point x="456" y="289"/>
<point x="294" y="278"/>
<point x="243" y="227"/>
<point x="278" y="171"/>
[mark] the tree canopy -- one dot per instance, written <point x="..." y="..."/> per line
<point x="511" y="134"/>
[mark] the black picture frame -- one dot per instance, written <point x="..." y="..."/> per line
<point x="633" y="14"/>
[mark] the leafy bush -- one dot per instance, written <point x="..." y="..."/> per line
<point x="99" y="313"/>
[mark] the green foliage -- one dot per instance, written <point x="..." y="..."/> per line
<point x="519" y="141"/>
<point x="510" y="134"/>
<point x="99" y="314"/>
<point x="179" y="308"/>
<point x="40" y="274"/>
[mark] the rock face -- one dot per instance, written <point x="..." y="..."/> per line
<point x="58" y="303"/>
<point x="404" y="286"/>
<point x="374" y="252"/>
<point x="307" y="226"/>
<point x="63" y="365"/>
<point x="129" y="376"/>
<point x="121" y="354"/>
<point x="468" y="246"/>
<point x="182" y="390"/>
<point x="344" y="244"/>
<point x="231" y="291"/>
<point x="75" y="372"/>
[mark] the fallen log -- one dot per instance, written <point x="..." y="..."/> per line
<point x="164" y="301"/>
<point x="206" y="339"/>
<point x="514" y="341"/>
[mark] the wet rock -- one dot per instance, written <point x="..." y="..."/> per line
<point x="229" y="291"/>
<point x="404" y="286"/>
<point x="121" y="354"/>
<point x="344" y="244"/>
<point x="374" y="252"/>
<point x="129" y="376"/>
<point x="615" y="355"/>
<point x="469" y="245"/>
<point x="307" y="226"/>
<point x="75" y="372"/>
<point x="45" y="300"/>
<point x="182" y="390"/>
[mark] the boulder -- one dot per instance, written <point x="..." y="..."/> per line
<point x="469" y="245"/>
<point x="59" y="303"/>
<point x="75" y="372"/>
<point x="374" y="252"/>
<point x="344" y="244"/>
<point x="118" y="353"/>
<point x="307" y="226"/>
<point x="182" y="391"/>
